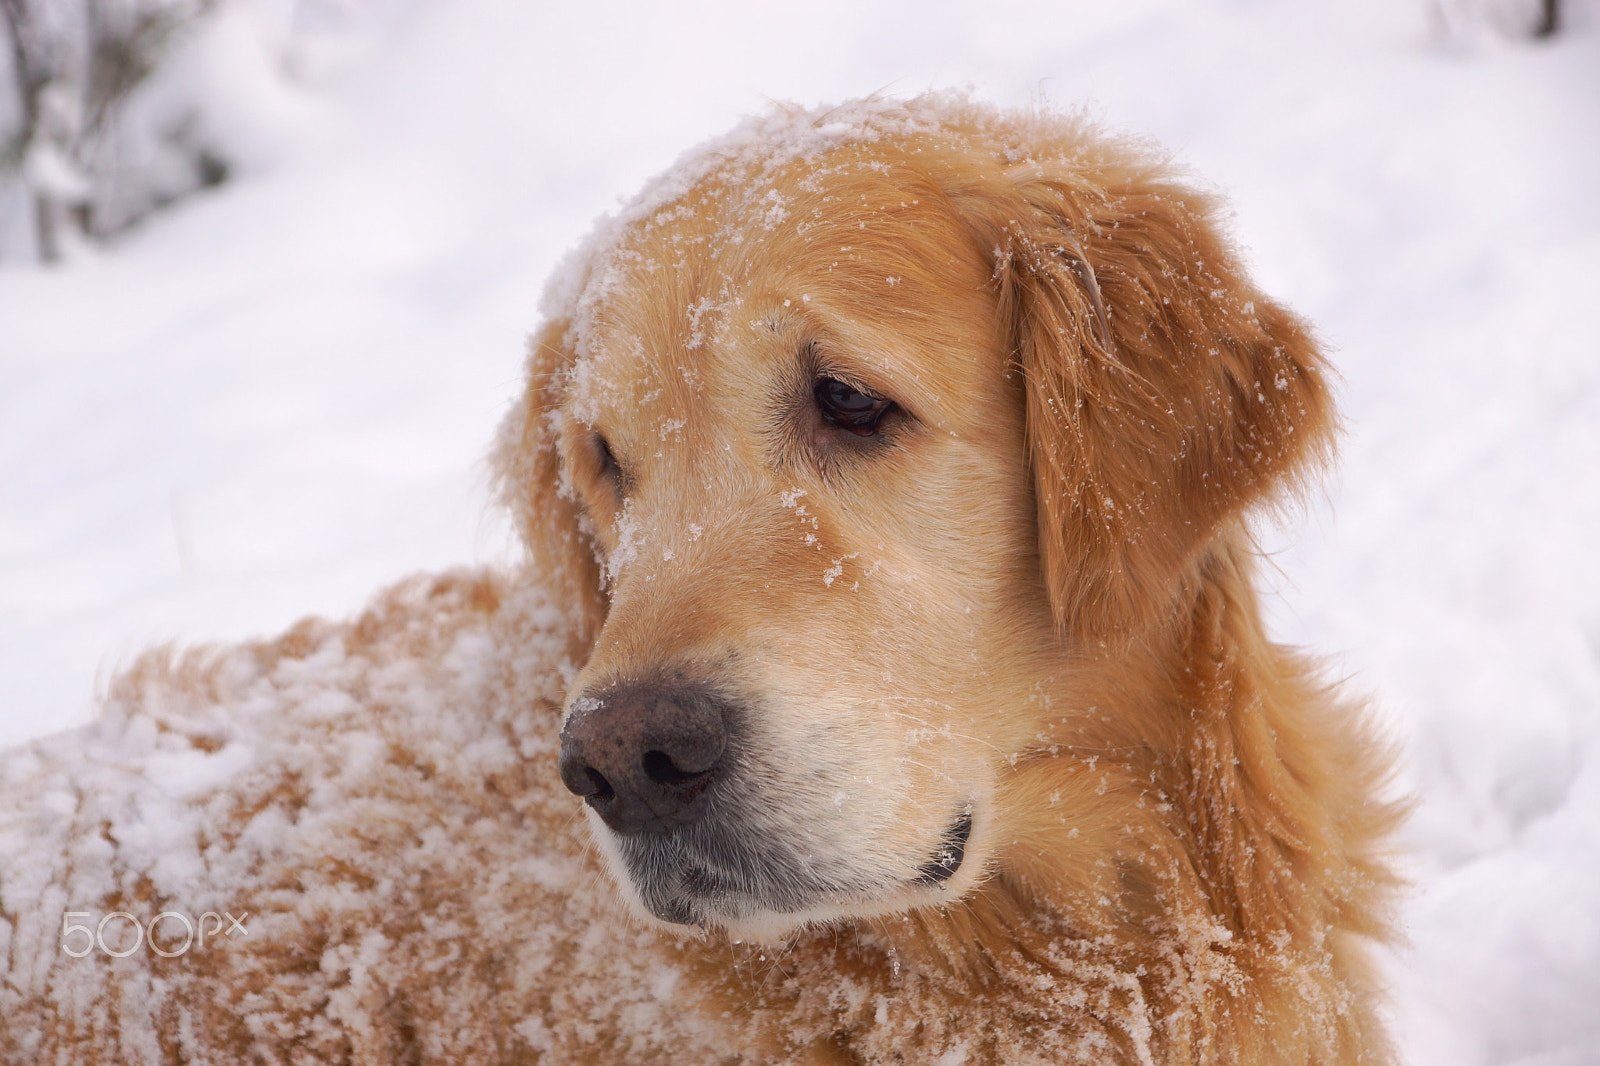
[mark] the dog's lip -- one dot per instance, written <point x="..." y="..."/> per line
<point x="952" y="851"/>
<point x="683" y="880"/>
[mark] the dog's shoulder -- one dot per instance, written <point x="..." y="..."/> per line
<point x="345" y="839"/>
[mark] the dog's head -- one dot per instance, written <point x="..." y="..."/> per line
<point x="855" y="439"/>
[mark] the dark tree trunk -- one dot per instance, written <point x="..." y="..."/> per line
<point x="30" y="68"/>
<point x="1549" y="19"/>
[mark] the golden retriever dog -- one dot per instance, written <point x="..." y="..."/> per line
<point x="890" y="617"/>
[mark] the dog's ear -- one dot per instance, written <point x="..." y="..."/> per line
<point x="1164" y="394"/>
<point x="531" y="482"/>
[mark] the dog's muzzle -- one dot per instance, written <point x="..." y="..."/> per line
<point x="663" y="763"/>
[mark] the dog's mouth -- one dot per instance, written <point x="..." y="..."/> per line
<point x="694" y="878"/>
<point x="952" y="850"/>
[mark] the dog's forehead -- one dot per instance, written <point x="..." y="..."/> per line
<point x="720" y="287"/>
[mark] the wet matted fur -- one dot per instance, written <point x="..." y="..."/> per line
<point x="885" y="473"/>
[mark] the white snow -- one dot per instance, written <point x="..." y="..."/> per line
<point x="274" y="398"/>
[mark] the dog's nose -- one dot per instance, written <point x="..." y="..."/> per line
<point x="644" y="755"/>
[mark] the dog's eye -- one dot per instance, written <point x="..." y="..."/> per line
<point x="610" y="469"/>
<point x="849" y="408"/>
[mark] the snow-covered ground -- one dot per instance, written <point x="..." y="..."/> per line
<point x="275" y="397"/>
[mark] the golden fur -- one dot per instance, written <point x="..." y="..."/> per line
<point x="1029" y="598"/>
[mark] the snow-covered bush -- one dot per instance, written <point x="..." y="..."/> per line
<point x="110" y="109"/>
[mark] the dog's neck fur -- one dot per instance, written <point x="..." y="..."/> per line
<point x="1165" y="899"/>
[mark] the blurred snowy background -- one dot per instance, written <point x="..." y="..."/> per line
<point x="266" y="267"/>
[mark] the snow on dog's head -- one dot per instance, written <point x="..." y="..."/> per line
<point x="882" y="446"/>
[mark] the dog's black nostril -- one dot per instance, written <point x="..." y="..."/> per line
<point x="659" y="767"/>
<point x="595" y="785"/>
<point x="582" y="779"/>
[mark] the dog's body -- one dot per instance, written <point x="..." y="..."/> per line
<point x="890" y="467"/>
